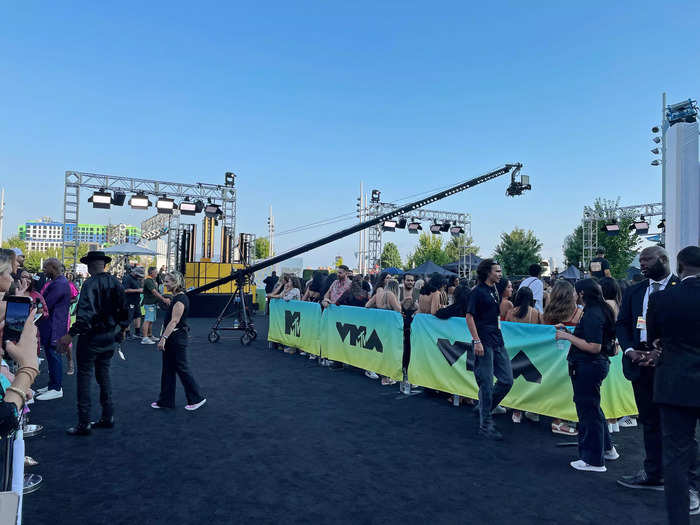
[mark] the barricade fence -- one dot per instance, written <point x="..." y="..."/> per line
<point x="441" y="354"/>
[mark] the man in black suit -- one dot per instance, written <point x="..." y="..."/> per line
<point x="632" y="335"/>
<point x="673" y="318"/>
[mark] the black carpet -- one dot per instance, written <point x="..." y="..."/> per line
<point x="282" y="440"/>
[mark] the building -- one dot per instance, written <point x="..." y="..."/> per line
<point x="46" y="234"/>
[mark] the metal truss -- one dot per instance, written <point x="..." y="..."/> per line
<point x="377" y="209"/>
<point x="591" y="220"/>
<point x="225" y="196"/>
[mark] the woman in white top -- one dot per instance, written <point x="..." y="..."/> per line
<point x="290" y="292"/>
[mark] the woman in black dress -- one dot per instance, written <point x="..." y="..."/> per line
<point x="173" y="344"/>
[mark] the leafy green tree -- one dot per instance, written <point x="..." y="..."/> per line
<point x="518" y="250"/>
<point x="15" y="242"/>
<point x="262" y="248"/>
<point x="429" y="249"/>
<point x="620" y="249"/>
<point x="390" y="256"/>
<point x="453" y="249"/>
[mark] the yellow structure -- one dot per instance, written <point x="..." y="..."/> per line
<point x="201" y="273"/>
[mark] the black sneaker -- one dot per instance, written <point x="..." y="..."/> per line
<point x="490" y="432"/>
<point x="79" y="430"/>
<point x="641" y="481"/>
<point x="103" y="423"/>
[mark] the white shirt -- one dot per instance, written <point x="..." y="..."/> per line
<point x="645" y="304"/>
<point x="534" y="284"/>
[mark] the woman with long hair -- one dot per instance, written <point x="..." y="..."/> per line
<point x="430" y="298"/>
<point x="524" y="310"/>
<point x="505" y="292"/>
<point x="315" y="288"/>
<point x="385" y="298"/>
<point x="591" y="344"/>
<point x="356" y="295"/>
<point x="611" y="293"/>
<point x="173" y="344"/>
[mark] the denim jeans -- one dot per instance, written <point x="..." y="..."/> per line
<point x="494" y="362"/>
<point x="54" y="360"/>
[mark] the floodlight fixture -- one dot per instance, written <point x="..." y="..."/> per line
<point x="445" y="226"/>
<point x="190" y="208"/>
<point x="662" y="224"/>
<point x="165" y="205"/>
<point x="612" y="228"/>
<point x="389" y="226"/>
<point x="118" y="198"/>
<point x="230" y="179"/>
<point x="139" y="201"/>
<point x="655" y="151"/>
<point x="435" y="229"/>
<point x="656" y="162"/>
<point x="640" y="227"/>
<point x="655" y="129"/>
<point x="414" y="227"/>
<point x="456" y="231"/>
<point x="213" y="211"/>
<point x="101" y="199"/>
<point x="401" y="223"/>
<point x="376" y="194"/>
<point x="656" y="139"/>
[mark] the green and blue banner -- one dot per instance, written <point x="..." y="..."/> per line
<point x="296" y="324"/>
<point x="367" y="338"/>
<point x="442" y="359"/>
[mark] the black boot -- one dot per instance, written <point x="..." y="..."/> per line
<point x="79" y="430"/>
<point x="103" y="423"/>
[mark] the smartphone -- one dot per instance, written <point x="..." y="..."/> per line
<point x="16" y="315"/>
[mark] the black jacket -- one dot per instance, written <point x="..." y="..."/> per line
<point x="101" y="310"/>
<point x="626" y="326"/>
<point x="673" y="315"/>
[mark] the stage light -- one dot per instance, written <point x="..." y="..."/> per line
<point x="401" y="223"/>
<point x="456" y="231"/>
<point x="101" y="199"/>
<point x="189" y="208"/>
<point x="435" y="229"/>
<point x="376" y="195"/>
<point x="445" y="227"/>
<point x="119" y="198"/>
<point x="662" y="224"/>
<point x="641" y="227"/>
<point x="389" y="226"/>
<point x="656" y="139"/>
<point x="230" y="179"/>
<point x="165" y="205"/>
<point x="139" y="201"/>
<point x="655" y="151"/>
<point x="212" y="210"/>
<point x="611" y="228"/>
<point x="655" y="162"/>
<point x="655" y="129"/>
<point x="414" y="227"/>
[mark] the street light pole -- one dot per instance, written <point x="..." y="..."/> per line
<point x="663" y="161"/>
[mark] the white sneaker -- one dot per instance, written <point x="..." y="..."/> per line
<point x="498" y="411"/>
<point x="611" y="455"/>
<point x="196" y="406"/>
<point x="42" y="390"/>
<point x="694" y="502"/>
<point x="579" y="464"/>
<point x="147" y="341"/>
<point x="371" y="374"/>
<point x="50" y="394"/>
<point x="627" y="422"/>
<point x="616" y="427"/>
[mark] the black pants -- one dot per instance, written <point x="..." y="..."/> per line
<point x="593" y="435"/>
<point x="650" y="418"/>
<point x="175" y="362"/>
<point x="680" y="451"/>
<point x="87" y="359"/>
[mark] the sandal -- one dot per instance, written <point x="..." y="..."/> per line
<point x="564" y="429"/>
<point x="517" y="416"/>
<point x="386" y="381"/>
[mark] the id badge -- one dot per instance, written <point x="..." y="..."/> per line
<point x="641" y="323"/>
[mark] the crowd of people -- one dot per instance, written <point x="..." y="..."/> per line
<point x="600" y="317"/>
<point x="84" y="322"/>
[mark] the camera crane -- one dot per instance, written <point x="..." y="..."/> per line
<point x="516" y="187"/>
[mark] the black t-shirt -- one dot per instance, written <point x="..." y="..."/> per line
<point x="598" y="266"/>
<point x="129" y="281"/>
<point x="594" y="328"/>
<point x="483" y="305"/>
<point x="270" y="282"/>
<point x="179" y="298"/>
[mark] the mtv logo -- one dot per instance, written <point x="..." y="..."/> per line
<point x="292" y="323"/>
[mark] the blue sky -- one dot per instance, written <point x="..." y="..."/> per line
<point x="303" y="100"/>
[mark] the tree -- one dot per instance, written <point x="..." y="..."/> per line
<point x="620" y="249"/>
<point x="262" y="248"/>
<point x="453" y="249"/>
<point x="15" y="242"/>
<point x="518" y="250"/>
<point x="429" y="249"/>
<point x="390" y="256"/>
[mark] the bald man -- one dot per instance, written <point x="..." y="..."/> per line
<point x="632" y="335"/>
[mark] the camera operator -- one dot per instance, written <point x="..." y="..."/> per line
<point x="101" y="318"/>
